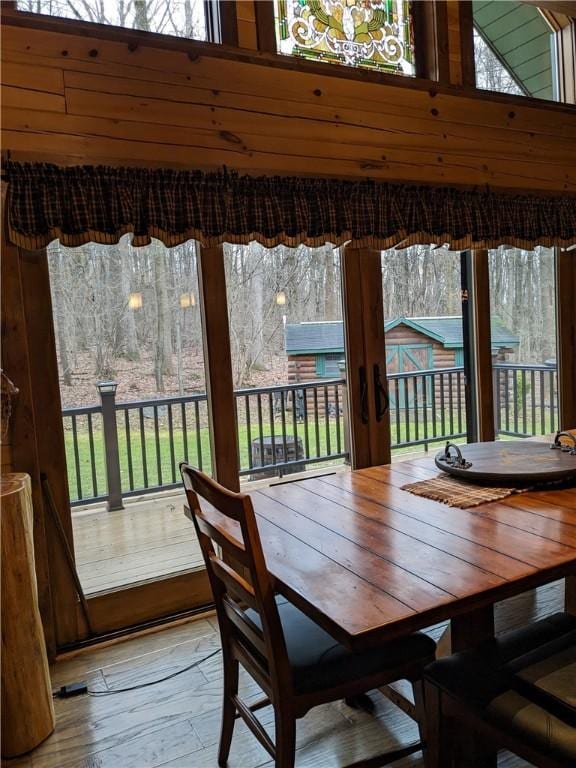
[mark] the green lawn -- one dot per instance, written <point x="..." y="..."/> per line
<point x="161" y="459"/>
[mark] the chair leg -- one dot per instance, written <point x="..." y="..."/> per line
<point x="228" y="708"/>
<point x="418" y="691"/>
<point x="475" y="752"/>
<point x="285" y="739"/>
<point x="439" y="751"/>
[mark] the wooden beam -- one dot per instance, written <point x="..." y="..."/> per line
<point x="480" y="283"/>
<point x="431" y="40"/>
<point x="49" y="431"/>
<point x="356" y="374"/>
<point x="228" y="22"/>
<point x="15" y="362"/>
<point x="375" y="355"/>
<point x="566" y="7"/>
<point x="566" y="62"/>
<point x="106" y="102"/>
<point x="461" y="43"/>
<point x="218" y="364"/>
<point x="246" y="24"/>
<point x="365" y="357"/>
<point x="265" y="26"/>
<point x="566" y="329"/>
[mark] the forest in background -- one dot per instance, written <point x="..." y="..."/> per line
<point x="132" y="314"/>
<point x="104" y="333"/>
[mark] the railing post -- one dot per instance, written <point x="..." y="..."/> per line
<point x="107" y="392"/>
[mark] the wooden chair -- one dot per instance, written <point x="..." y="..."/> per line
<point x="296" y="663"/>
<point x="514" y="692"/>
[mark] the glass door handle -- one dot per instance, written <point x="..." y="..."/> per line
<point x="381" y="398"/>
<point x="363" y="394"/>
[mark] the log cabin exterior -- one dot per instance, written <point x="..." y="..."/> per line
<point x="81" y="94"/>
<point x="316" y="350"/>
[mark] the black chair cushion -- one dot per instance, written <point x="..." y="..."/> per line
<point x="319" y="661"/>
<point x="523" y="681"/>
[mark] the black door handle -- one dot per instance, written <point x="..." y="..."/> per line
<point x="363" y="394"/>
<point x="380" y="394"/>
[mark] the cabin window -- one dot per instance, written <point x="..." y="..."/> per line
<point x="330" y="365"/>
<point x="514" y="50"/>
<point x="179" y="18"/>
<point x="367" y="34"/>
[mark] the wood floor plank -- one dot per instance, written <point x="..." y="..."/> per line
<point x="155" y="747"/>
<point x="156" y="726"/>
<point x="161" y="663"/>
<point x="90" y="660"/>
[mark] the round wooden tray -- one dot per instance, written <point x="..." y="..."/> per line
<point x="511" y="463"/>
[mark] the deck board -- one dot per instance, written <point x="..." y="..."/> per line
<point x="149" y="538"/>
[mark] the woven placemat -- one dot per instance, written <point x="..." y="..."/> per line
<point x="458" y="493"/>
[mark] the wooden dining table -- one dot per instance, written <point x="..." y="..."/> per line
<point x="370" y="561"/>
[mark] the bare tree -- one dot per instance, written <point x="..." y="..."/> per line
<point x="491" y="74"/>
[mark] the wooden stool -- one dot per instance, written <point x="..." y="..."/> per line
<point x="27" y="708"/>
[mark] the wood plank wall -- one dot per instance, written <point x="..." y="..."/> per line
<point x="75" y="99"/>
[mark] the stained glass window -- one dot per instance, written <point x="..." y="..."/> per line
<point x="357" y="33"/>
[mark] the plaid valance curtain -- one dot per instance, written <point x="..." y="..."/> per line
<point x="100" y="204"/>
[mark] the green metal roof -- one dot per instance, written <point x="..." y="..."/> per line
<point x="520" y="37"/>
<point x="325" y="337"/>
<point x="306" y="338"/>
<point x="448" y="330"/>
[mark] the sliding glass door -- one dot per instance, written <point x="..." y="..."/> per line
<point x="288" y="360"/>
<point x="523" y="335"/>
<point x="134" y="404"/>
<point x="425" y="348"/>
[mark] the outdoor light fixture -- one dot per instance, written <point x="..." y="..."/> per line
<point x="187" y="300"/>
<point x="280" y="298"/>
<point x="135" y="301"/>
<point x="107" y="387"/>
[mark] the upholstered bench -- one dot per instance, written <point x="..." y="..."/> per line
<point x="517" y="691"/>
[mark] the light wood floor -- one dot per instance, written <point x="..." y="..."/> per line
<point x="176" y="723"/>
<point x="149" y="538"/>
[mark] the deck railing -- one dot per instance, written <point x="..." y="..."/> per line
<point x="525" y="399"/>
<point x="121" y="449"/>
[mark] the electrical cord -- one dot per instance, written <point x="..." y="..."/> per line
<point x="62" y="693"/>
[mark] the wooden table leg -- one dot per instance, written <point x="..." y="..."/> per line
<point x="467" y="631"/>
<point x="470" y="629"/>
<point x="570" y="594"/>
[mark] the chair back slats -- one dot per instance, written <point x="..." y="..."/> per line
<point x="238" y="576"/>
<point x="219" y="497"/>
<point x="223" y="538"/>
<point x="245" y="626"/>
<point x="235" y="584"/>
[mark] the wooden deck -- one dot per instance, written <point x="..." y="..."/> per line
<point x="149" y="538"/>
